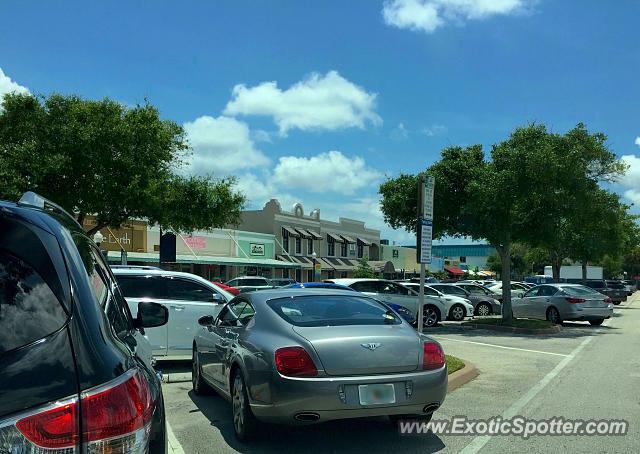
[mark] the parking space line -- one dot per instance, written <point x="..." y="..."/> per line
<point x="479" y="442"/>
<point x="501" y="346"/>
<point x="174" y="445"/>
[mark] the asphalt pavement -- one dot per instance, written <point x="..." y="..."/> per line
<point x="584" y="372"/>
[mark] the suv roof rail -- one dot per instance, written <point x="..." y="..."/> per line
<point x="31" y="199"/>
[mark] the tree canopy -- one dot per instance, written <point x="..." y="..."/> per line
<point x="105" y="159"/>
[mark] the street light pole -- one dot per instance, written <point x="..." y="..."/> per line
<point x="313" y="274"/>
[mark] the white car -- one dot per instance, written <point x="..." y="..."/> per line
<point x="451" y="303"/>
<point x="435" y="307"/>
<point x="517" y="289"/>
<point x="187" y="297"/>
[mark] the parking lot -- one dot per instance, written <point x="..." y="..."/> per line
<point x="584" y="372"/>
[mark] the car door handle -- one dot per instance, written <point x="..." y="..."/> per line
<point x="177" y="308"/>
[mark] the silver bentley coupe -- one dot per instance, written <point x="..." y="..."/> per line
<point x="304" y="356"/>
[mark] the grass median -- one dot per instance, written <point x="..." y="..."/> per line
<point x="526" y="323"/>
<point x="453" y="363"/>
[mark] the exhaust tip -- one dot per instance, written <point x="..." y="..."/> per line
<point x="307" y="417"/>
<point x="430" y="408"/>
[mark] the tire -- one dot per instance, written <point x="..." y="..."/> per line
<point x="430" y="315"/>
<point x="483" y="309"/>
<point x="421" y="418"/>
<point x="198" y="383"/>
<point x="616" y="302"/>
<point x="554" y="316"/>
<point x="457" y="312"/>
<point x="596" y="322"/>
<point x="244" y="422"/>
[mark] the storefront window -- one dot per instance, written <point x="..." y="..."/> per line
<point x="309" y="246"/>
<point x="331" y="247"/>
<point x="343" y="249"/>
<point x="285" y="240"/>
<point x="360" y="250"/>
<point x="298" y="245"/>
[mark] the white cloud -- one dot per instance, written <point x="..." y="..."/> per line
<point x="637" y="142"/>
<point x="9" y="86"/>
<point x="433" y="130"/>
<point x="631" y="180"/>
<point x="400" y="133"/>
<point x="325" y="172"/>
<point x="429" y="15"/>
<point x="221" y="146"/>
<point x="318" y="102"/>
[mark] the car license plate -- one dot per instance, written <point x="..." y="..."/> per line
<point x="377" y="394"/>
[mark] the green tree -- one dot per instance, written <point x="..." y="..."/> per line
<point x="104" y="159"/>
<point x="364" y="270"/>
<point x="494" y="264"/>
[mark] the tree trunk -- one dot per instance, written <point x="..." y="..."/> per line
<point x="556" y="263"/>
<point x="584" y="273"/>
<point x="505" y="256"/>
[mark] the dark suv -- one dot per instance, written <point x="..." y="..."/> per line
<point x="613" y="289"/>
<point x="75" y="371"/>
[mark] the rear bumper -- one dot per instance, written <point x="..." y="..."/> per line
<point x="588" y="313"/>
<point x="331" y="398"/>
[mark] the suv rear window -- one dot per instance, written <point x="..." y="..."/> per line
<point x="333" y="311"/>
<point x="29" y="310"/>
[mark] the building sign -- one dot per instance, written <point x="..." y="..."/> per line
<point x="256" y="249"/>
<point x="427" y="199"/>
<point x="196" y="242"/>
<point x="395" y="253"/>
<point x="425" y="230"/>
<point x="131" y="236"/>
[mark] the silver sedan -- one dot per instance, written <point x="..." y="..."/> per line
<point x="305" y="356"/>
<point x="561" y="302"/>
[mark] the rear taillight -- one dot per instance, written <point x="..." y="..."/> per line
<point x="608" y="300"/>
<point x="115" y="419"/>
<point x="295" y="362"/>
<point x="576" y="300"/>
<point x="54" y="428"/>
<point x="433" y="356"/>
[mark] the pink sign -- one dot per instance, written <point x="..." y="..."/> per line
<point x="196" y="242"/>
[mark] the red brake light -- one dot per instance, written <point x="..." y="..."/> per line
<point x="52" y="429"/>
<point x="608" y="300"/>
<point x="117" y="410"/>
<point x="295" y="362"/>
<point x="433" y="356"/>
<point x="576" y="300"/>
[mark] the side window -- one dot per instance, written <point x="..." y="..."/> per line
<point x="226" y="317"/>
<point x="29" y="310"/>
<point x="103" y="289"/>
<point x="386" y="288"/>
<point x="364" y="286"/>
<point x="533" y="292"/>
<point x="243" y="310"/>
<point x="400" y="290"/>
<point x="428" y="291"/>
<point x="184" y="290"/>
<point x="547" y="290"/>
<point x="475" y="290"/>
<point x="232" y="283"/>
<point x="141" y="286"/>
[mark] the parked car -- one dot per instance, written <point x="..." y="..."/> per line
<point x="562" y="302"/>
<point x="630" y="287"/>
<point x="455" y="307"/>
<point x="135" y="267"/>
<point x="613" y="289"/>
<point x="282" y="281"/>
<point x="402" y="311"/>
<point x="428" y="279"/>
<point x="234" y="291"/>
<point x="485" y="302"/>
<point x="306" y="356"/>
<point x="187" y="298"/>
<point x="393" y="292"/>
<point x="250" y="283"/>
<point x="517" y="289"/>
<point x="76" y="372"/>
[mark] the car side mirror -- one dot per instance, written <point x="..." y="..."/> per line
<point x="206" y="320"/>
<point x="151" y="315"/>
<point x="217" y="298"/>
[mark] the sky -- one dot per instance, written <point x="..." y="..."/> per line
<point x="320" y="102"/>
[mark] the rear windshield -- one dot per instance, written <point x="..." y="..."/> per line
<point x="333" y="311"/>
<point x="616" y="285"/>
<point x="595" y="284"/>
<point x="29" y="310"/>
<point x="581" y="290"/>
<point x="252" y="282"/>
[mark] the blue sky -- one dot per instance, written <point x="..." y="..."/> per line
<point x="318" y="102"/>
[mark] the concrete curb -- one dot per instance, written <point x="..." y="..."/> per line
<point x="178" y="377"/>
<point x="462" y="377"/>
<point x="510" y="329"/>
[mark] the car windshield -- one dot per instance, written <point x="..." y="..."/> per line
<point x="323" y="310"/>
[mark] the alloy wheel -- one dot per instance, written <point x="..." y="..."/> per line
<point x="484" y="310"/>
<point x="430" y="317"/>
<point x="457" y="313"/>
<point x="238" y="404"/>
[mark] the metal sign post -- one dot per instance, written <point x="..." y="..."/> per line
<point x="424" y="231"/>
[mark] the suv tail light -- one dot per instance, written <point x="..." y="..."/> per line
<point x="576" y="300"/>
<point x="295" y="362"/>
<point x="432" y="357"/>
<point x="115" y="419"/>
<point x="608" y="300"/>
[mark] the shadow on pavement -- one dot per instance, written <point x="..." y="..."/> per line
<point x="355" y="435"/>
